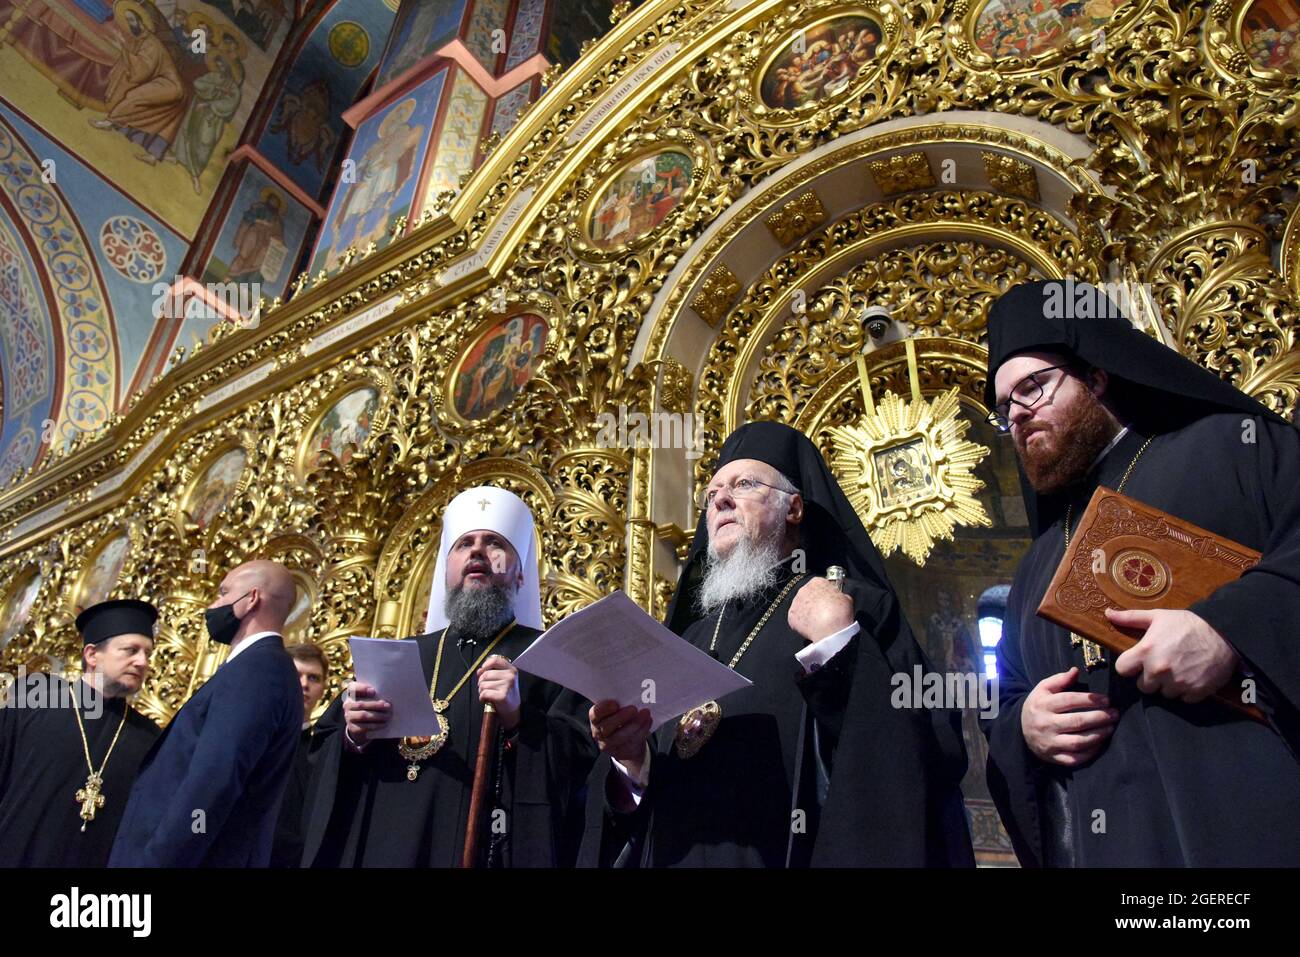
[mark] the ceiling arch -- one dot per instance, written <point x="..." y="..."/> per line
<point x="840" y="174"/>
<point x="82" y="367"/>
<point x="24" y="350"/>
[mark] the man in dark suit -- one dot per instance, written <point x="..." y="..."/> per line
<point x="209" y="791"/>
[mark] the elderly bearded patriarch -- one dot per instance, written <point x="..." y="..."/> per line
<point x="812" y="764"/>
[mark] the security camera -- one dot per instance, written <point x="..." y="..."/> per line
<point x="880" y="326"/>
<point x="877" y="321"/>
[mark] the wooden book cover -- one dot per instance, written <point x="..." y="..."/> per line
<point x="1125" y="554"/>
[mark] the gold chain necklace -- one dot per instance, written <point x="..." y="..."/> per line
<point x="696" y="726"/>
<point x="1092" y="653"/>
<point x="416" y="749"/>
<point x="91" y="797"/>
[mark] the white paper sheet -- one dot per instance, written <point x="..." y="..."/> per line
<point x="613" y="649"/>
<point x="393" y="669"/>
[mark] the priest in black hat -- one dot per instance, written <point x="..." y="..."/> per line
<point x="1128" y="763"/>
<point x="69" y="751"/>
<point x="812" y="764"/>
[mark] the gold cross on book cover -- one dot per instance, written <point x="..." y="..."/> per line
<point x="1129" y="555"/>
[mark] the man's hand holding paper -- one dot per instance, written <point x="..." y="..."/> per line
<point x="612" y="651"/>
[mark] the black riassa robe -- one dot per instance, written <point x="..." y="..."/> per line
<point x="43" y="765"/>
<point x="1178" y="784"/>
<point x="361" y="811"/>
<point x="881" y="790"/>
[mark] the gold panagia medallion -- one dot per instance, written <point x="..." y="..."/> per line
<point x="416" y="749"/>
<point x="695" y="727"/>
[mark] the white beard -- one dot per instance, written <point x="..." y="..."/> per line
<point x="746" y="571"/>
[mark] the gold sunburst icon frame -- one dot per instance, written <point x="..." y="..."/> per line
<point x="909" y="470"/>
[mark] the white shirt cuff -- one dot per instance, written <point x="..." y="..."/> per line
<point x="636" y="785"/>
<point x="819" y="652"/>
<point x="352" y="745"/>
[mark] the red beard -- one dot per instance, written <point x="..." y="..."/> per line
<point x="1068" y="450"/>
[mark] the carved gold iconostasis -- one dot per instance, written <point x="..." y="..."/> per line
<point x="693" y="219"/>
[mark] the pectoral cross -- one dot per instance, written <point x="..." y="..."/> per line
<point x="90" y="799"/>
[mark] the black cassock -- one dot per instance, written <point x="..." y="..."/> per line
<point x="880" y="789"/>
<point x="43" y="766"/>
<point x="361" y="811"/>
<point x="1177" y="784"/>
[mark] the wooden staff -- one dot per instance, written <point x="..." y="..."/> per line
<point x="486" y="738"/>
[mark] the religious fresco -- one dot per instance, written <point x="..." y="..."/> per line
<point x="18" y="606"/>
<point x="1029" y="27"/>
<point x="217" y="486"/>
<point x="101" y="575"/>
<point x="304" y="118"/>
<point x="1269" y="32"/>
<point x="305" y="131"/>
<point x="125" y="86"/>
<point x="102" y="257"/>
<point x="349" y="44"/>
<point x="572" y="23"/>
<point x="819" y="61"/>
<point x="526" y="33"/>
<point x="26" y="352"/>
<point x="388" y="151"/>
<point x="639" y="198"/>
<point x="262" y="237"/>
<point x="343" y="430"/>
<point x="133" y="249"/>
<point x="458" y="138"/>
<point x="260" y="20"/>
<point x="497" y="366"/>
<point x="420" y="29"/>
<point x="507" y="109"/>
<point x="486" y="32"/>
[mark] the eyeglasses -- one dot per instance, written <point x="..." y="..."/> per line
<point x="1030" y="390"/>
<point x="741" y="488"/>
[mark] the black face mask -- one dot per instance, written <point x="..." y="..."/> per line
<point x="222" y="621"/>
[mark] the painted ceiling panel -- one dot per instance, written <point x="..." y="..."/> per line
<point x="25" y="350"/>
<point x="134" y="253"/>
<point x="306" y="127"/>
<point x="153" y="94"/>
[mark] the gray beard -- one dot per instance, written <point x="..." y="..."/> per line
<point x="747" y="570"/>
<point x="479" y="612"/>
